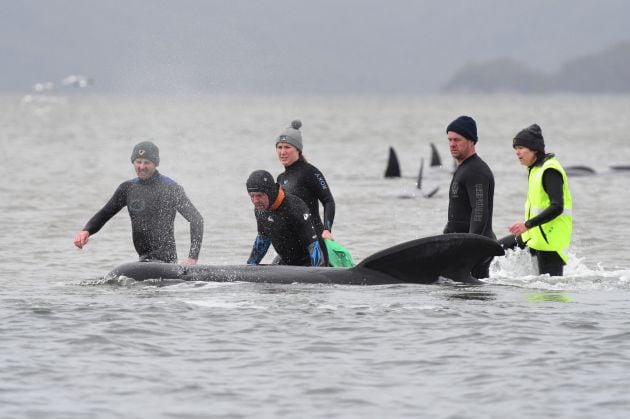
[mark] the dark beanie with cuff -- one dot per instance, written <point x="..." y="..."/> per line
<point x="146" y="150"/>
<point x="262" y="181"/>
<point x="292" y="135"/>
<point x="530" y="137"/>
<point x="464" y="126"/>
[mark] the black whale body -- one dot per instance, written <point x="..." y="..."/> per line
<point x="421" y="261"/>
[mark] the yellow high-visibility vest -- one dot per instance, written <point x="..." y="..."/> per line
<point x="556" y="234"/>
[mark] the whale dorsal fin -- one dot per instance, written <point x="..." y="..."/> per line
<point x="435" y="156"/>
<point x="393" y="168"/>
<point x="419" y="181"/>
<point x="425" y="260"/>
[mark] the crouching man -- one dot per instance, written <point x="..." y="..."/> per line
<point x="284" y="221"/>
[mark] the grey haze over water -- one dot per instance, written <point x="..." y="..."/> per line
<point x="74" y="345"/>
<point x="291" y="47"/>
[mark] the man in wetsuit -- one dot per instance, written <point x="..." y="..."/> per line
<point x="471" y="193"/>
<point x="152" y="200"/>
<point x="285" y="222"/>
<point x="548" y="223"/>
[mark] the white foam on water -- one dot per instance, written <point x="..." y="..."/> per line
<point x="224" y="304"/>
<point x="519" y="268"/>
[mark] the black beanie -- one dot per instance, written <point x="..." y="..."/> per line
<point x="146" y="150"/>
<point x="262" y="181"/>
<point x="530" y="137"/>
<point x="464" y="126"/>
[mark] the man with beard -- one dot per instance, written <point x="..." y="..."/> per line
<point x="284" y="221"/>
<point x="471" y="193"/>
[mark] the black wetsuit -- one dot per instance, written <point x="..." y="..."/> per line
<point x="471" y="197"/>
<point x="305" y="181"/>
<point x="549" y="262"/>
<point x="289" y="228"/>
<point x="152" y="204"/>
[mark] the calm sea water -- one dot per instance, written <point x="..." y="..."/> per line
<point x="74" y="345"/>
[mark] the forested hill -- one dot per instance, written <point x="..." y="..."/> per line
<point x="603" y="72"/>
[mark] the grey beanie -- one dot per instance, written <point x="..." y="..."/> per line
<point x="530" y="137"/>
<point x="146" y="150"/>
<point x="292" y="135"/>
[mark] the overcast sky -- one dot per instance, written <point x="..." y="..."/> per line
<point x="291" y="46"/>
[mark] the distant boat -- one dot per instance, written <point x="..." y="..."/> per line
<point x="77" y="81"/>
<point x="43" y="86"/>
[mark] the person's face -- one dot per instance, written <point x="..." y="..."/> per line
<point x="144" y="168"/>
<point x="260" y="200"/>
<point x="287" y="154"/>
<point x="526" y="156"/>
<point x="460" y="147"/>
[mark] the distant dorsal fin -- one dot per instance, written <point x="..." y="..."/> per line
<point x="419" y="182"/>
<point x="393" y="168"/>
<point x="435" y="156"/>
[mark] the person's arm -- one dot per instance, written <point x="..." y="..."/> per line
<point x="111" y="208"/>
<point x="553" y="185"/>
<point x="324" y="195"/>
<point x="478" y="190"/>
<point x="186" y="208"/>
<point x="259" y="250"/>
<point x="315" y="253"/>
<point x="81" y="238"/>
<point x="303" y="223"/>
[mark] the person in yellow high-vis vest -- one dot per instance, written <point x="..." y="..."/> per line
<point x="548" y="223"/>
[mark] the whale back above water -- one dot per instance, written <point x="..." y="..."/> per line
<point x="420" y="261"/>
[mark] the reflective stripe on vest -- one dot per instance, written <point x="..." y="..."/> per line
<point x="556" y="234"/>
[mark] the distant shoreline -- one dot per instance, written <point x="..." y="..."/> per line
<point x="606" y="72"/>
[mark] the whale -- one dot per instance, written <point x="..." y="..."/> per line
<point x="578" y="170"/>
<point x="393" y="171"/>
<point x="393" y="167"/>
<point x="436" y="161"/>
<point x="419" y="182"/>
<point x="419" y="179"/>
<point x="420" y="261"/>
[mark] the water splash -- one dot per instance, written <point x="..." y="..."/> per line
<point x="519" y="268"/>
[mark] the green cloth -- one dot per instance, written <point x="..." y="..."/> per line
<point x="338" y="256"/>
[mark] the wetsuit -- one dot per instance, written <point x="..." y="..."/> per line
<point x="288" y="226"/>
<point x="152" y="204"/>
<point x="548" y="262"/>
<point x="305" y="181"/>
<point x="471" y="197"/>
